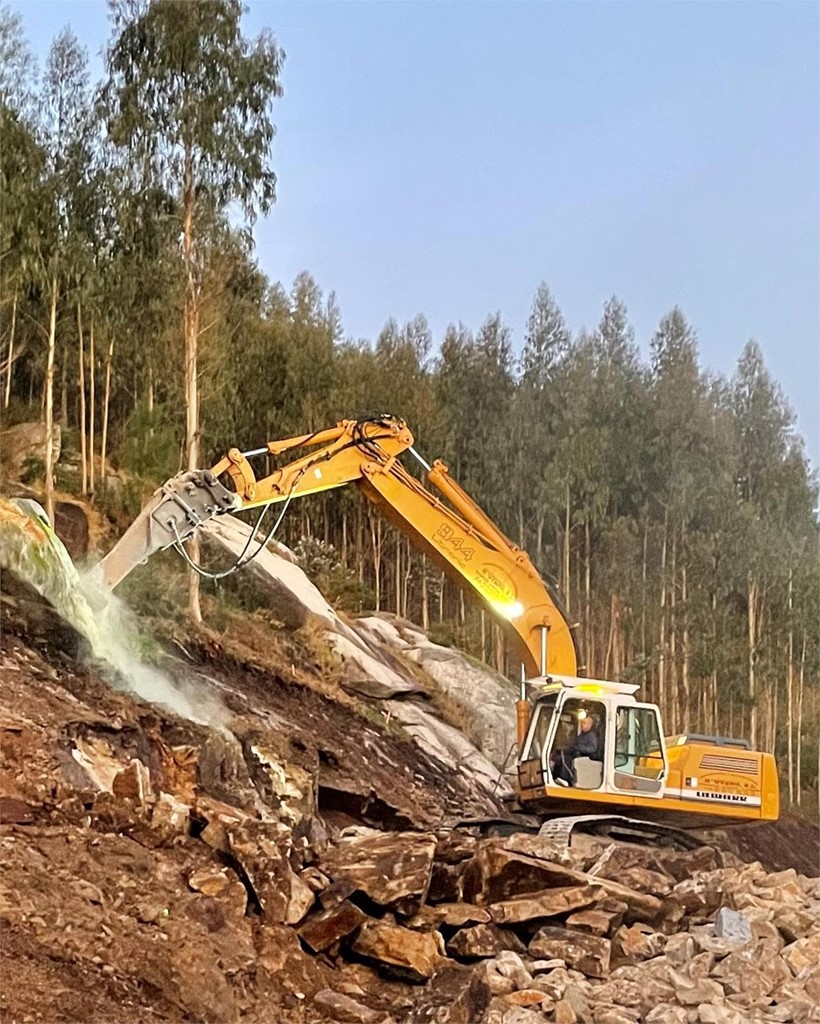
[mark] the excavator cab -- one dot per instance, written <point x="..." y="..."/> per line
<point x="591" y="745"/>
<point x="591" y="736"/>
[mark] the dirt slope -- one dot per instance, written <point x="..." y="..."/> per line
<point x="153" y="868"/>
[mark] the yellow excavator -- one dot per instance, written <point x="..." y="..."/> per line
<point x="587" y="748"/>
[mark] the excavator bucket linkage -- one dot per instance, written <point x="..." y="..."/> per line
<point x="175" y="511"/>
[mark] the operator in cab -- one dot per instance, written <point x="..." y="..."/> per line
<point x="585" y="744"/>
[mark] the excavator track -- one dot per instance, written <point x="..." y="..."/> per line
<point x="612" y="827"/>
<point x="618" y="828"/>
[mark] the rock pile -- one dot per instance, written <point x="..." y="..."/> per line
<point x="518" y="931"/>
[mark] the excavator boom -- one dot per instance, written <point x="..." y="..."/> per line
<point x="443" y="521"/>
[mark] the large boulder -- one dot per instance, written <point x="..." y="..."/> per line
<point x="485" y="699"/>
<point x="392" y="868"/>
<point x="549" y="903"/>
<point x="586" y="953"/>
<point x="398" y="952"/>
<point x="483" y="940"/>
<point x="25" y="443"/>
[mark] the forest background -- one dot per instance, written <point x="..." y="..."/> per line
<point x="674" y="507"/>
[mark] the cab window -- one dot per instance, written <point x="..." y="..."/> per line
<point x="539" y="728"/>
<point x="638" y="756"/>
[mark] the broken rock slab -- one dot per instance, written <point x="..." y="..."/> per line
<point x="456" y="995"/>
<point x="732" y="926"/>
<point x="586" y="953"/>
<point x="398" y="952"/>
<point x="601" y="921"/>
<point x="506" y="973"/>
<point x="496" y="874"/>
<point x="637" y="942"/>
<point x="392" y="868"/>
<point x="803" y="953"/>
<point x="692" y="991"/>
<point x="322" y="931"/>
<point x="483" y="940"/>
<point x="261" y="850"/>
<point x="452" y="915"/>
<point x="342" y="1008"/>
<point x="549" y="903"/>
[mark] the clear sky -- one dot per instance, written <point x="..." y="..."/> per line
<point x="444" y="158"/>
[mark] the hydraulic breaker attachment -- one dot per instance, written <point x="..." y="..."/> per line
<point x="176" y="510"/>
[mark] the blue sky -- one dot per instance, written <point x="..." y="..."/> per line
<point x="444" y="158"/>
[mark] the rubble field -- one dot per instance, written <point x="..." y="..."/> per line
<point x="298" y="862"/>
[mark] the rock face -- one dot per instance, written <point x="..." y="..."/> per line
<point x="483" y="696"/>
<point x="367" y="651"/>
<point x="25" y="443"/>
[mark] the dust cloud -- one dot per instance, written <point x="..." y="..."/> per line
<point x="103" y="619"/>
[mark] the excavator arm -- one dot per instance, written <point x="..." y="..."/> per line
<point x="443" y="522"/>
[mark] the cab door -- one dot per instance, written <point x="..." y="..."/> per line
<point x="638" y="764"/>
<point x="531" y="764"/>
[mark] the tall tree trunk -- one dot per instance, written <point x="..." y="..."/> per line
<point x="49" y="401"/>
<point x="790" y="689"/>
<point x="483" y="620"/>
<point x="344" y="538"/>
<point x="398" y="573"/>
<point x="191" y="332"/>
<point x="610" y="637"/>
<point x="539" y="540"/>
<point x="425" y="598"/>
<point x="106" y="406"/>
<point x="64" y="387"/>
<point x="10" y="367"/>
<point x="92" y="395"/>
<point x="674" y="701"/>
<point x="500" y="649"/>
<point x="588" y="598"/>
<point x="408" y="578"/>
<point x="662" y="629"/>
<point x="751" y="594"/>
<point x="644" y="554"/>
<point x="376" y="540"/>
<point x="686" y="723"/>
<point x="714" y="639"/>
<point x="798" y="768"/>
<point x="566" y="560"/>
<point x="81" y="403"/>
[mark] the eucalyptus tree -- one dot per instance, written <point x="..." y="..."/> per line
<point x="680" y="444"/>
<point x="64" y="118"/>
<point x="17" y="65"/>
<point x="190" y="97"/>
<point x="763" y="425"/>
<point x="20" y="172"/>
<point x="539" y="416"/>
